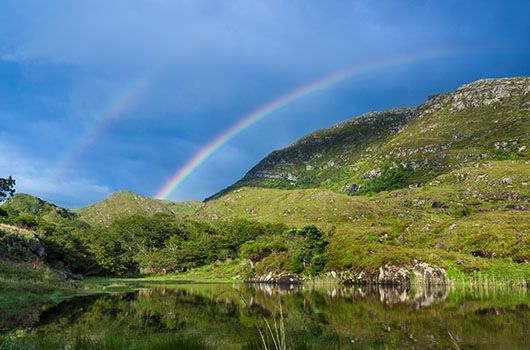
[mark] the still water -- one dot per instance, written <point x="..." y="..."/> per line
<point x="226" y="316"/>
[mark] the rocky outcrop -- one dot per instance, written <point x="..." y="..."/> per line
<point x="20" y="247"/>
<point x="427" y="274"/>
<point x="391" y="275"/>
<point x="282" y="278"/>
<point x="486" y="92"/>
<point x="350" y="188"/>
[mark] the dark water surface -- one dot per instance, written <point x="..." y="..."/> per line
<point x="226" y="316"/>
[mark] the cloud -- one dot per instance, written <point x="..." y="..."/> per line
<point x="65" y="64"/>
<point x="31" y="178"/>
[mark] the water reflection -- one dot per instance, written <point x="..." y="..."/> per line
<point x="418" y="297"/>
<point x="315" y="317"/>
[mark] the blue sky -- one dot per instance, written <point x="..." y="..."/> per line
<point x="62" y="63"/>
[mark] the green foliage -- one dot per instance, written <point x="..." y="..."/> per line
<point x="318" y="262"/>
<point x="255" y="251"/>
<point x="7" y="187"/>
<point x="25" y="220"/>
<point x="308" y="254"/>
<point x="124" y="204"/>
<point x="509" y="154"/>
<point x="393" y="176"/>
<point x="295" y="250"/>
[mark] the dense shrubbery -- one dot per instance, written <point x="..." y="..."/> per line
<point x="159" y="243"/>
<point x="392" y="177"/>
<point x="295" y="250"/>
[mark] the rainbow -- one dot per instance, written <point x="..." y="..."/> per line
<point x="273" y="106"/>
<point x="118" y="107"/>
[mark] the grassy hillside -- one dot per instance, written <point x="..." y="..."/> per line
<point x="324" y="157"/>
<point x="27" y="207"/>
<point x="474" y="218"/>
<point x="485" y="120"/>
<point x="124" y="204"/>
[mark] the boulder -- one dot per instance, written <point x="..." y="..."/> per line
<point x="350" y="188"/>
<point x="282" y="278"/>
<point x="393" y="276"/>
<point x="439" y="205"/>
<point x="427" y="274"/>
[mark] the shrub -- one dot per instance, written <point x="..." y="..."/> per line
<point x="392" y="177"/>
<point x="25" y="221"/>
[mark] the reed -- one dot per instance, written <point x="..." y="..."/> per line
<point x="273" y="338"/>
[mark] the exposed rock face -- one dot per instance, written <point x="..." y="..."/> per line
<point x="276" y="278"/>
<point x="427" y="274"/>
<point x="350" y="188"/>
<point x="391" y="275"/>
<point x="18" y="248"/>
<point x="486" y="92"/>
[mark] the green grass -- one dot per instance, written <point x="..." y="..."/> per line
<point x="124" y="204"/>
<point x="474" y="215"/>
<point x="109" y="341"/>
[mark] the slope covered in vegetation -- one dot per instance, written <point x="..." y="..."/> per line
<point x="123" y="204"/>
<point x="484" y="120"/>
<point x="471" y="219"/>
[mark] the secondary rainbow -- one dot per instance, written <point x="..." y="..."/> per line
<point x="267" y="109"/>
<point x="115" y="109"/>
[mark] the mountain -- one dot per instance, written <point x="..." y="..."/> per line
<point x="446" y="183"/>
<point x="484" y="120"/>
<point x="123" y="204"/>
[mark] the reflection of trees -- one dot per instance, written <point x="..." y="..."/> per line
<point x="228" y="316"/>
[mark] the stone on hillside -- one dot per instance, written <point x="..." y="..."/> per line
<point x="282" y="278"/>
<point x="439" y="205"/>
<point x="483" y="254"/>
<point x="427" y="274"/>
<point x="350" y="188"/>
<point x="393" y="275"/>
<point x="517" y="207"/>
<point x="372" y="173"/>
<point x="507" y="181"/>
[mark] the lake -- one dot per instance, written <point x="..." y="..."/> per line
<point x="238" y="316"/>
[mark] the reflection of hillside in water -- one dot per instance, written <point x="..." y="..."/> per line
<point x="228" y="315"/>
<point x="418" y="297"/>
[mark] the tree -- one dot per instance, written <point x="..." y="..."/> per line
<point x="7" y="188"/>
